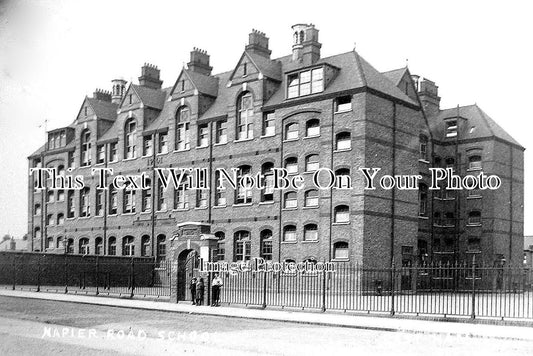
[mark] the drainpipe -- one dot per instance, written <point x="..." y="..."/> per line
<point x="393" y="191"/>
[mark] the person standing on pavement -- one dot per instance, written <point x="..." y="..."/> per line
<point x="216" y="285"/>
<point x="192" y="288"/>
<point x="200" y="291"/>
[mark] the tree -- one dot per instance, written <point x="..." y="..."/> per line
<point x="6" y="237"/>
<point x="25" y="237"/>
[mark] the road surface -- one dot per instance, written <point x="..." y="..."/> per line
<point x="40" y="327"/>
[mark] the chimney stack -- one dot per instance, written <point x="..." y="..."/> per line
<point x="428" y="93"/>
<point x="119" y="88"/>
<point x="103" y="95"/>
<point x="258" y="44"/>
<point x="305" y="47"/>
<point x="199" y="62"/>
<point x="150" y="76"/>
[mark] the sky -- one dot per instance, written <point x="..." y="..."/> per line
<point x="54" y="53"/>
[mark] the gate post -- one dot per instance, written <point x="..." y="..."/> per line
<point x="132" y="277"/>
<point x="39" y="273"/>
<point x="473" y="314"/>
<point x="393" y="282"/>
<point x="14" y="272"/>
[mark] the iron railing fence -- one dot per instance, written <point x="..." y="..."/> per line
<point x="466" y="290"/>
<point x="148" y="279"/>
<point x="462" y="290"/>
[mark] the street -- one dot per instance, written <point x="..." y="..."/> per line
<point x="40" y="327"/>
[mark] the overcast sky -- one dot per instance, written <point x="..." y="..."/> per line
<point x="53" y="53"/>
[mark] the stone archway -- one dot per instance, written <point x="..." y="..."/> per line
<point x="188" y="261"/>
<point x="189" y="243"/>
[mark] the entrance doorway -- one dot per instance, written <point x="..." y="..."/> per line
<point x="188" y="263"/>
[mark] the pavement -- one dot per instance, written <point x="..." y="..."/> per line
<point x="392" y="324"/>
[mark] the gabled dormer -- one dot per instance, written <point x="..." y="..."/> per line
<point x="406" y="82"/>
<point x="255" y="63"/>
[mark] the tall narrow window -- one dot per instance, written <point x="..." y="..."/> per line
<point x="84" y="246"/>
<point x="291" y="131"/>
<point x="243" y="195"/>
<point x="85" y="205"/>
<point x="99" y="211"/>
<point x="312" y="128"/>
<point x="290" y="200"/>
<point x="145" y="246"/>
<point x="85" y="148"/>
<point x="100" y="154"/>
<point x="343" y="141"/>
<point x="161" y="200"/>
<point x="241" y="246"/>
<point x="161" y="247"/>
<point x="311" y="232"/>
<point x="245" y="112"/>
<point x="181" y="196"/>
<point x="162" y="141"/>
<point x="37" y="210"/>
<point x="342" y="214"/>
<point x="71" y="209"/>
<point x="267" y="194"/>
<point x="451" y="128"/>
<point x="312" y="163"/>
<point x="203" y="135"/>
<point x="340" y="250"/>
<point x="423" y="147"/>
<point x="129" y="201"/>
<point x="70" y="159"/>
<point x="113" y="155"/>
<point x="146" y="194"/>
<point x="112" y="246"/>
<point x="311" y="198"/>
<point x="221" y="245"/>
<point x="343" y="103"/>
<point x="69" y="249"/>
<point x="98" y="246"/>
<point x="423" y="199"/>
<point x="128" y="246"/>
<point x="49" y="220"/>
<point x="130" y="130"/>
<point x="183" y="139"/>
<point x="148" y="145"/>
<point x="60" y="219"/>
<point x="289" y="233"/>
<point x="266" y="244"/>
<point x="220" y="193"/>
<point x="221" y="132"/>
<point x="113" y="200"/>
<point x="201" y="198"/>
<point x="291" y="165"/>
<point x="269" y="124"/>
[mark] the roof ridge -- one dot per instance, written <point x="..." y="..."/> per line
<point x="484" y="116"/>
<point x="360" y="68"/>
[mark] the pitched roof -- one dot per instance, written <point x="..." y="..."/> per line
<point x="103" y="109"/>
<point x="483" y="125"/>
<point x="154" y="98"/>
<point x="203" y="83"/>
<point x="224" y="97"/>
<point x="355" y="72"/>
<point x="268" y="67"/>
<point x="395" y="75"/>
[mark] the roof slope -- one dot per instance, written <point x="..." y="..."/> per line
<point x="103" y="109"/>
<point x="154" y="98"/>
<point x="484" y="125"/>
<point x="395" y="75"/>
<point x="355" y="72"/>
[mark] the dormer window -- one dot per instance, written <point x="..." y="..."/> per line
<point x="305" y="83"/>
<point x="451" y="128"/>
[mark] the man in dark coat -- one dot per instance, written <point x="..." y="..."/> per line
<point x="192" y="288"/>
<point x="200" y="291"/>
